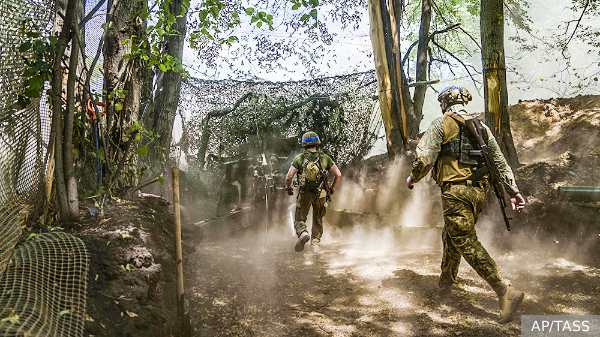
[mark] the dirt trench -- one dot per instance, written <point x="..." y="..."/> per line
<point x="378" y="277"/>
<point x="376" y="274"/>
<point x="378" y="282"/>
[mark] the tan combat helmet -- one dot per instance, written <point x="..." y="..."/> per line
<point x="310" y="139"/>
<point x="454" y="95"/>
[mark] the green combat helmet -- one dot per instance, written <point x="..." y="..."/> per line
<point x="454" y="95"/>
<point x="310" y="139"/>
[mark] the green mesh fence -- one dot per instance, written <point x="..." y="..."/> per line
<point x="24" y="133"/>
<point x="42" y="282"/>
<point x="43" y="290"/>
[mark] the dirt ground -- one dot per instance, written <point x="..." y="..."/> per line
<point x="131" y="281"/>
<point x="372" y="283"/>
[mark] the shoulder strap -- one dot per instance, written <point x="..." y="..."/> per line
<point x="306" y="159"/>
<point x="320" y="159"/>
<point x="458" y="117"/>
<point x="461" y="119"/>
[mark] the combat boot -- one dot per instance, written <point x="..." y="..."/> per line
<point x="509" y="303"/>
<point x="445" y="289"/>
<point x="302" y="239"/>
<point x="315" y="245"/>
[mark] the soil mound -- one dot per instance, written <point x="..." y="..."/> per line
<point x="544" y="129"/>
<point x="131" y="280"/>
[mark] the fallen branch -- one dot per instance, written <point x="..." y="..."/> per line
<point x="142" y="185"/>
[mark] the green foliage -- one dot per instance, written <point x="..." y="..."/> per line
<point x="142" y="136"/>
<point x="214" y="18"/>
<point x="38" y="54"/>
<point x="148" y="47"/>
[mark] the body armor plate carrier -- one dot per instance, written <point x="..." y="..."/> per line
<point x="464" y="147"/>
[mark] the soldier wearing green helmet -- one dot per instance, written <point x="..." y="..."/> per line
<point x="449" y="148"/>
<point x="311" y="168"/>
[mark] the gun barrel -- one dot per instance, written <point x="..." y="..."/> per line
<point x="579" y="193"/>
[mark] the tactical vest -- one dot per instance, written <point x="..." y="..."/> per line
<point x="464" y="147"/>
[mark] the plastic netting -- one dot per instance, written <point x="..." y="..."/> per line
<point x="43" y="291"/>
<point x="24" y="133"/>
<point x="42" y="282"/>
<point x="228" y="118"/>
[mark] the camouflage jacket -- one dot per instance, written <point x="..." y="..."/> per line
<point x="443" y="130"/>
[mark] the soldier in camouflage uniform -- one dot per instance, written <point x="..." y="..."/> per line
<point x="448" y="148"/>
<point x="310" y="166"/>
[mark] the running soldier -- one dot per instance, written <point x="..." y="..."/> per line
<point x="311" y="168"/>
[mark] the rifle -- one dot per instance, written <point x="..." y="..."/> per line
<point x="324" y="184"/>
<point x="475" y="128"/>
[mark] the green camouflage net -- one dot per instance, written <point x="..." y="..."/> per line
<point x="234" y="118"/>
<point x="24" y="133"/>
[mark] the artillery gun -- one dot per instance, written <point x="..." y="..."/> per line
<point x="588" y="196"/>
<point x="251" y="185"/>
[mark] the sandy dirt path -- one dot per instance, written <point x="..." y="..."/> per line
<point x="375" y="283"/>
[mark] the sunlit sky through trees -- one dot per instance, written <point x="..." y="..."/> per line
<point x="297" y="55"/>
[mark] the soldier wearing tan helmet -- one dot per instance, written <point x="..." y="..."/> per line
<point x="446" y="147"/>
<point x="311" y="167"/>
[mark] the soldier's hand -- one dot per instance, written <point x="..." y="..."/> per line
<point x="331" y="190"/>
<point x="290" y="191"/>
<point x="409" y="183"/>
<point x="517" y="202"/>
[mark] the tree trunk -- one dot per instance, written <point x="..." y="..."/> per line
<point x="422" y="64"/>
<point x="396" y="133"/>
<point x="57" y="115"/>
<point x="166" y="97"/>
<point x="395" y="15"/>
<point x="494" y="76"/>
<point x="123" y="74"/>
<point x="384" y="81"/>
<point x="71" y="181"/>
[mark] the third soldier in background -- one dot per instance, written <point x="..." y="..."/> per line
<point x="312" y="167"/>
<point x="446" y="148"/>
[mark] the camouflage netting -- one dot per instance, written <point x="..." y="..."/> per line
<point x="233" y="118"/>
<point x="39" y="279"/>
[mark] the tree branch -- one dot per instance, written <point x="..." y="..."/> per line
<point x="457" y="59"/>
<point x="445" y="30"/>
<point x="91" y="13"/>
<point x="438" y="12"/>
<point x="587" y="3"/>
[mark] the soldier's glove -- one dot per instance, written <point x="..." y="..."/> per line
<point x="290" y="191"/>
<point x="331" y="189"/>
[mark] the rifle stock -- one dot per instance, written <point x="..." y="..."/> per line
<point x="325" y="185"/>
<point x="475" y="129"/>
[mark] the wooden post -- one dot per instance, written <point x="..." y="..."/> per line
<point x="183" y="316"/>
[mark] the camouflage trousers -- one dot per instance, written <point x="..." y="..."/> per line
<point x="303" y="203"/>
<point x="462" y="205"/>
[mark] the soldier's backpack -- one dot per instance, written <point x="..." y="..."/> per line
<point x="310" y="171"/>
